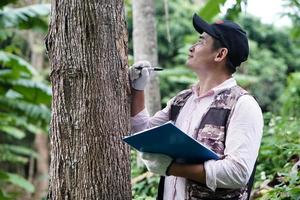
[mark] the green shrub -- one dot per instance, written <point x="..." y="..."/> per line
<point x="145" y="189"/>
<point x="281" y="144"/>
<point x="291" y="97"/>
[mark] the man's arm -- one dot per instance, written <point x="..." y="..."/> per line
<point x="139" y="75"/>
<point x="137" y="101"/>
<point x="193" y="172"/>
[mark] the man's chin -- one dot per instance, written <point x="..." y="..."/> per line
<point x="189" y="64"/>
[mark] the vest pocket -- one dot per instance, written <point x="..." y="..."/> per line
<point x="196" y="191"/>
<point x="213" y="137"/>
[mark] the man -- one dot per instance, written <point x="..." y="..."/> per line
<point x="215" y="111"/>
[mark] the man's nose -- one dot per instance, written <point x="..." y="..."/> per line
<point x="191" y="49"/>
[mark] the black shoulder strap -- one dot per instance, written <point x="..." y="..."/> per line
<point x="161" y="188"/>
<point x="178" y="103"/>
<point x="251" y="181"/>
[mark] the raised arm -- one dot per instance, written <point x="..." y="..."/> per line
<point x="139" y="75"/>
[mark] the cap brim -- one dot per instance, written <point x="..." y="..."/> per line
<point x="202" y="26"/>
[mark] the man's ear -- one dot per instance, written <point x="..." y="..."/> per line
<point x="221" y="54"/>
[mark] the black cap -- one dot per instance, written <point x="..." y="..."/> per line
<point x="230" y="34"/>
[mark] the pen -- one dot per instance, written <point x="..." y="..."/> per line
<point x="153" y="68"/>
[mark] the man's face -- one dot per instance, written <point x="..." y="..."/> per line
<point x="201" y="54"/>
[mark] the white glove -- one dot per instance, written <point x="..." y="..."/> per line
<point x="140" y="77"/>
<point x="156" y="163"/>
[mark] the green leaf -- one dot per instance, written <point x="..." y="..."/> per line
<point x="4" y="87"/>
<point x="18" y="66"/>
<point x="211" y="9"/>
<point x="5" y="72"/>
<point x="233" y="12"/>
<point x="21" y="150"/>
<point x="6" y="155"/>
<point x="34" y="113"/>
<point x="295" y="192"/>
<point x="25" y="17"/>
<point x="3" y="176"/>
<point x="3" y="196"/>
<point x="15" y="132"/>
<point x="33" y="91"/>
<point x="13" y="119"/>
<point x="19" y="181"/>
<point x="32" y="128"/>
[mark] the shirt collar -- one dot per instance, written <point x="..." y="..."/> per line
<point x="225" y="85"/>
<point x="216" y="90"/>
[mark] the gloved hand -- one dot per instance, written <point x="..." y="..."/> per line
<point x="156" y="163"/>
<point x="140" y="77"/>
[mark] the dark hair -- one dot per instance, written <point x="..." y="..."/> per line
<point x="217" y="45"/>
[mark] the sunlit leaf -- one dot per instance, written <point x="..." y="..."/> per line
<point x="12" y="119"/>
<point x="18" y="66"/>
<point x="15" y="132"/>
<point x="8" y="156"/>
<point x="34" y="113"/>
<point x="33" y="91"/>
<point x="25" y="17"/>
<point x="211" y="9"/>
<point x="20" y="150"/>
<point x="18" y="180"/>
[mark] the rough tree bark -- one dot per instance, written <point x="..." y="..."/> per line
<point x="145" y="47"/>
<point x="87" y="48"/>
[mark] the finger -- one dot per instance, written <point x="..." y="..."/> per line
<point x="146" y="64"/>
<point x="145" y="72"/>
<point x="137" y="64"/>
<point x="146" y="156"/>
<point x="134" y="74"/>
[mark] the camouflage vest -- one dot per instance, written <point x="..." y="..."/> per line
<point x="212" y="133"/>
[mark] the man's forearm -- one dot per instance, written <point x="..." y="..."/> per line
<point x="193" y="172"/>
<point x="137" y="101"/>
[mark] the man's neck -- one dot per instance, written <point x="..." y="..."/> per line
<point x="209" y="81"/>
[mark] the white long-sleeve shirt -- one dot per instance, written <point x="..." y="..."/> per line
<point x="242" y="143"/>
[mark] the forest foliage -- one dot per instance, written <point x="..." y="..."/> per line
<point x="271" y="74"/>
<point x="24" y="98"/>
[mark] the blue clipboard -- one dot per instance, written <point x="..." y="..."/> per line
<point x="169" y="140"/>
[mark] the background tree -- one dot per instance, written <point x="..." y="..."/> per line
<point x="87" y="43"/>
<point x="145" y="47"/>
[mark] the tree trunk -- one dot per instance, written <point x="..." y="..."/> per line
<point x="42" y="165"/>
<point x="145" y="47"/>
<point x="87" y="45"/>
<point x="35" y="40"/>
